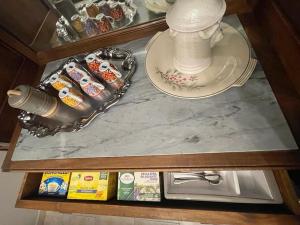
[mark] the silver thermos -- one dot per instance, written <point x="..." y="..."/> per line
<point x="40" y="103"/>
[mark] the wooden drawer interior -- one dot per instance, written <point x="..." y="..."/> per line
<point x="204" y="212"/>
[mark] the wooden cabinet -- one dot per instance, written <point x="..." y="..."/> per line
<point x="14" y="69"/>
<point x="275" y="39"/>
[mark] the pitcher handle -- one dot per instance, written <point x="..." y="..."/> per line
<point x="214" y="33"/>
<point x="217" y="36"/>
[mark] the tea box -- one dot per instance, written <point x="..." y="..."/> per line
<point x="92" y="185"/>
<point x="139" y="186"/>
<point x="54" y="184"/>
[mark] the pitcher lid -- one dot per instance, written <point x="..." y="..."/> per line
<point x="195" y="15"/>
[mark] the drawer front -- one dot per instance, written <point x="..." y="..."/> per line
<point x="203" y="212"/>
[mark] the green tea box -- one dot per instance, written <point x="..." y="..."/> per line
<point x="139" y="186"/>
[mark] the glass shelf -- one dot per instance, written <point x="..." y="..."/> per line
<point x="59" y="28"/>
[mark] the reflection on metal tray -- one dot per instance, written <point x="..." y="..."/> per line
<point x="123" y="60"/>
<point x="66" y="30"/>
<point x="128" y="6"/>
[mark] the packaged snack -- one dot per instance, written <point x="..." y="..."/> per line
<point x="54" y="184"/>
<point x="94" y="89"/>
<point x="71" y="97"/>
<point x="60" y="81"/>
<point x="139" y="186"/>
<point x="105" y="70"/>
<point x="75" y="70"/>
<point x="92" y="185"/>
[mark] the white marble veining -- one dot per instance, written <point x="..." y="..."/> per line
<point x="148" y="122"/>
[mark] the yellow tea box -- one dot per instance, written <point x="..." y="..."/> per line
<point x="92" y="185"/>
<point x="54" y="184"/>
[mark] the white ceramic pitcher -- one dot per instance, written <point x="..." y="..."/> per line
<point x="195" y="29"/>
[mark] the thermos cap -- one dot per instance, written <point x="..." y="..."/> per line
<point x="18" y="96"/>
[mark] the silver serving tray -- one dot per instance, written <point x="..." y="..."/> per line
<point x="41" y="127"/>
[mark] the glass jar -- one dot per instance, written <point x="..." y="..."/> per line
<point x="104" y="23"/>
<point x="77" y="24"/>
<point x="104" y="8"/>
<point x="89" y="26"/>
<point x="117" y="12"/>
<point x="92" y="10"/>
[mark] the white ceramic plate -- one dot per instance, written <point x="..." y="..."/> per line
<point x="231" y="66"/>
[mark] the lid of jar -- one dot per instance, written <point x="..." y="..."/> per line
<point x="70" y="66"/>
<point x="101" y="3"/>
<point x="195" y="15"/>
<point x="85" y="81"/>
<point x="89" y="4"/>
<point x="75" y="17"/>
<point x="64" y="92"/>
<point x="100" y="16"/>
<point x="104" y="66"/>
<point x="54" y="78"/>
<point x="84" y="19"/>
<point x="90" y="58"/>
<point x="18" y="96"/>
<point x="113" y="4"/>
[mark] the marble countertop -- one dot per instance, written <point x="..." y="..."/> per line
<point x="148" y="122"/>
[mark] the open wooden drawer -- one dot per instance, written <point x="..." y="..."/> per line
<point x="204" y="212"/>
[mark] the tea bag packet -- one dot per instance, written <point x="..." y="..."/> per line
<point x="94" y="89"/>
<point x="59" y="81"/>
<point x="105" y="70"/>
